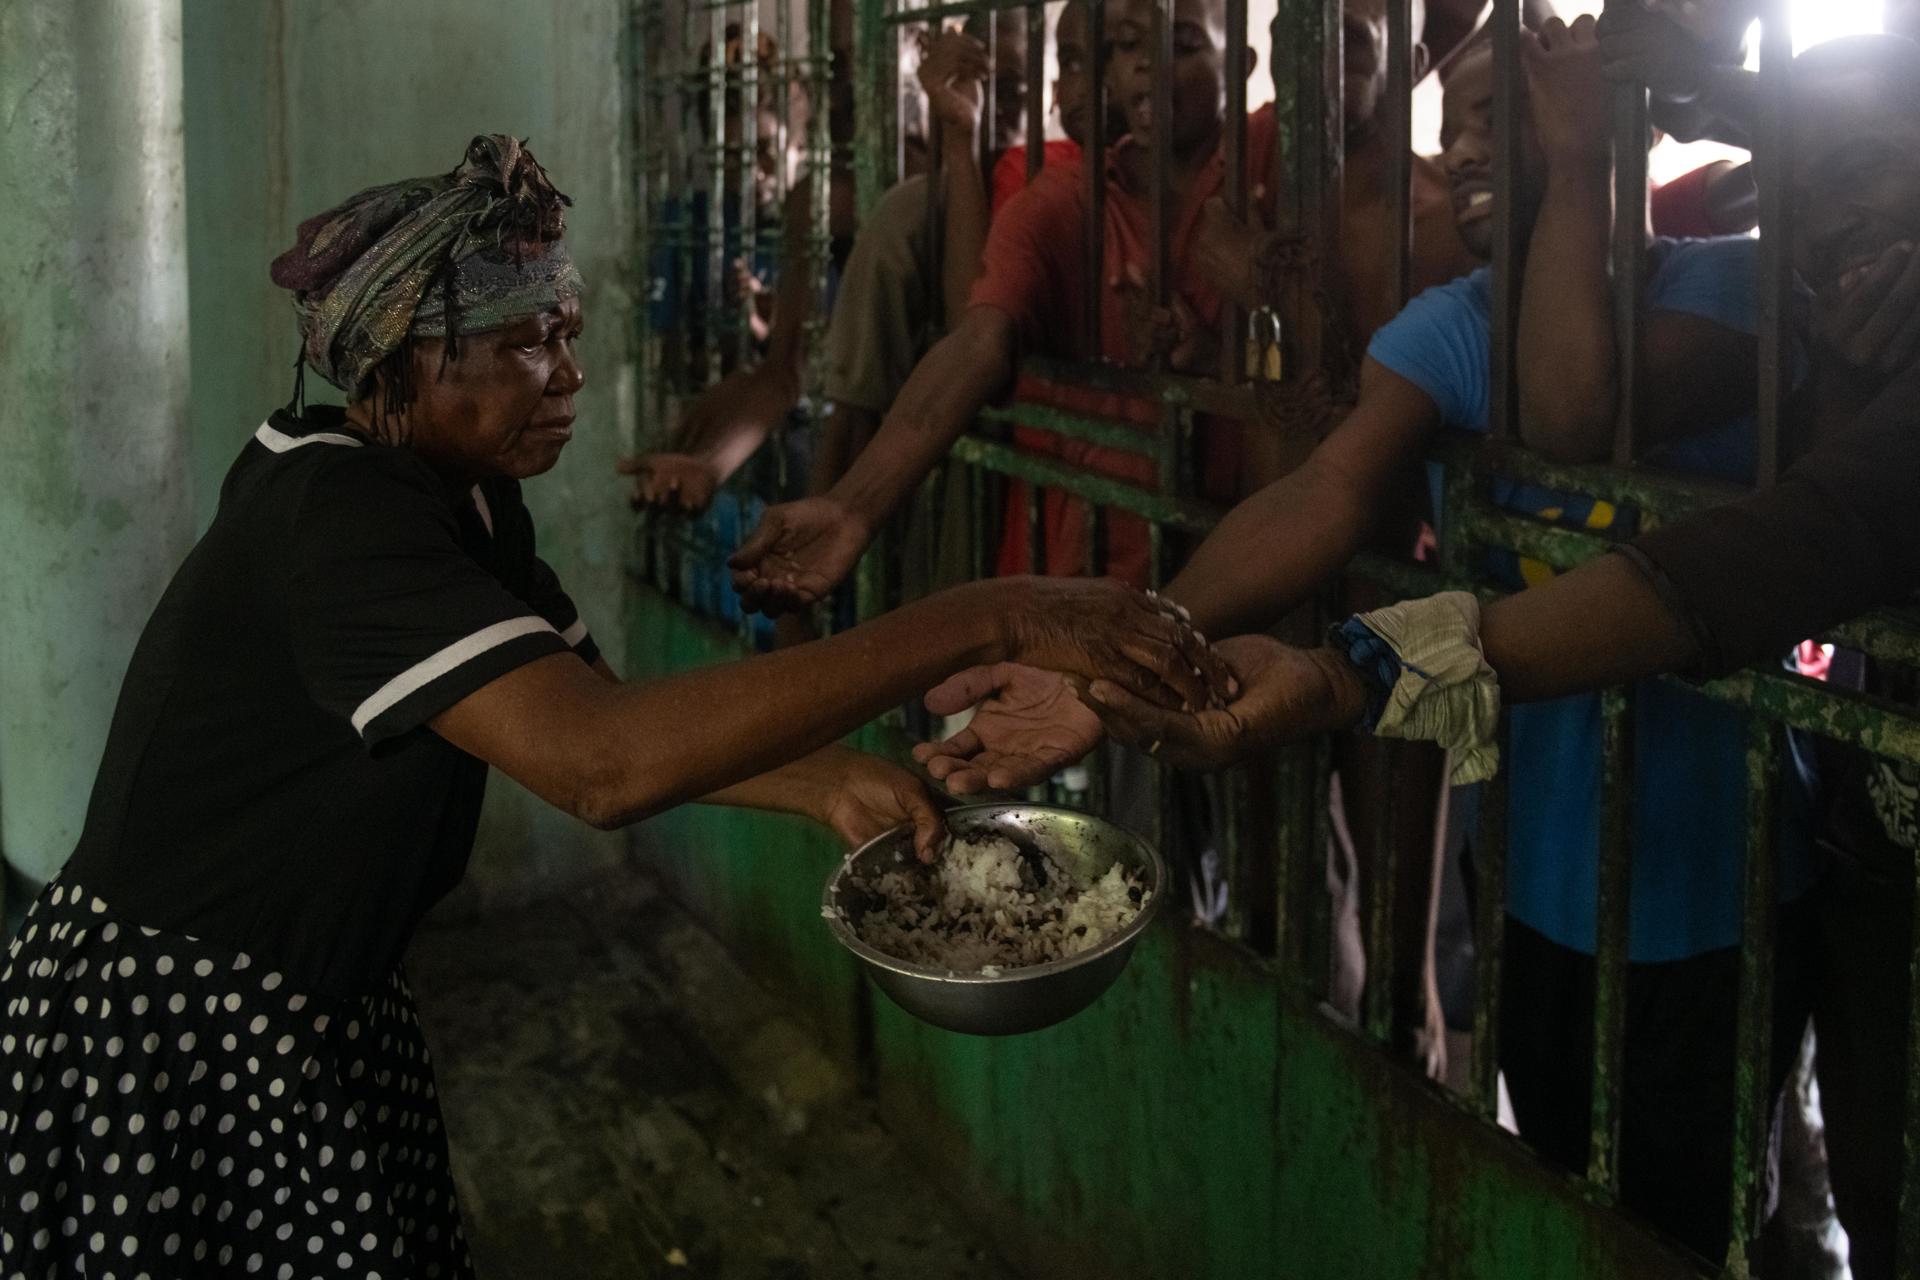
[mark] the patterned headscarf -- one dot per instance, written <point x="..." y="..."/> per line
<point x="478" y="248"/>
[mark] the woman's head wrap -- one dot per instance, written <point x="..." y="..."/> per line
<point x="478" y="248"/>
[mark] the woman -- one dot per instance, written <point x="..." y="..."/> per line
<point x="210" y="1063"/>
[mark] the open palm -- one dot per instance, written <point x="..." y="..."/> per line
<point x="799" y="554"/>
<point x="1028" y="726"/>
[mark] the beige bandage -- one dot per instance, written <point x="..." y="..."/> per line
<point x="1446" y="693"/>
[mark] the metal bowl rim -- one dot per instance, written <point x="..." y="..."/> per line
<point x="1118" y="942"/>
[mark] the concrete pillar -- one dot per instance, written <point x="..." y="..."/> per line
<point x="95" y="503"/>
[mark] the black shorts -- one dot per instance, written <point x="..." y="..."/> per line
<point x="1678" y="1063"/>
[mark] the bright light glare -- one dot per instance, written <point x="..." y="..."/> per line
<point x="1814" y="22"/>
<point x="1818" y="21"/>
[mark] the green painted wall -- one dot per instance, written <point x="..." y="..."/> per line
<point x="1198" y="1123"/>
<point x="94" y="502"/>
<point x="291" y="107"/>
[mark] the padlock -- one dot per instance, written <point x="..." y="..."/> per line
<point x="1263" y="360"/>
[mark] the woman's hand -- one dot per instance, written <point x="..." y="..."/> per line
<point x="799" y="553"/>
<point x="1284" y="693"/>
<point x="671" y="480"/>
<point x="1100" y="629"/>
<point x="1028" y="726"/>
<point x="873" y="796"/>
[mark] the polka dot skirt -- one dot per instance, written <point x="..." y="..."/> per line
<point x="169" y="1108"/>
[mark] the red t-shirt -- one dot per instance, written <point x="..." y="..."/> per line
<point x="1010" y="170"/>
<point x="1680" y="207"/>
<point x="1032" y="270"/>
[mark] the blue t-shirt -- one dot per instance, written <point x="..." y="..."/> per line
<point x="680" y="252"/>
<point x="1689" y="816"/>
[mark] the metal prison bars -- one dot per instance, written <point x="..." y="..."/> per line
<point x="1271" y="824"/>
<point x="701" y="79"/>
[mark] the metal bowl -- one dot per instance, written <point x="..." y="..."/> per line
<point x="1017" y="1000"/>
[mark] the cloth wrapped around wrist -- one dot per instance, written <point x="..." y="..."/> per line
<point x="1428" y="679"/>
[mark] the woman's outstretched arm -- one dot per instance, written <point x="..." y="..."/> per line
<point x="613" y="754"/>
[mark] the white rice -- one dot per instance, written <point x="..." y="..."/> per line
<point x="981" y="909"/>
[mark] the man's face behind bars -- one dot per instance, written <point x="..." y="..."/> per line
<point x="1073" y="91"/>
<point x="1009" y="54"/>
<point x="1467" y="146"/>
<point x="1856" y="186"/>
<point x="1365" y="53"/>
<point x="1199" y="70"/>
<point x="1468" y="151"/>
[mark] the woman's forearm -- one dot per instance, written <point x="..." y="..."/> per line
<point x="738" y="721"/>
<point x="614" y="755"/>
<point x="802" y="787"/>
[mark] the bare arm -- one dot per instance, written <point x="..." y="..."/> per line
<point x="1733" y="584"/>
<point x="953" y="71"/>
<point x="858" y="796"/>
<point x="962" y="372"/>
<point x="726" y="423"/>
<point x="1602" y="624"/>
<point x="1273" y="549"/>
<point x="613" y="753"/>
<point x="786" y="354"/>
<point x="966" y="214"/>
<point x="1566" y="355"/>
<point x="1566" y="348"/>
<point x="1697" y="373"/>
<point x="841" y="436"/>
<point x="802" y="550"/>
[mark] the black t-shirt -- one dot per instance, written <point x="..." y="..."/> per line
<point x="268" y="782"/>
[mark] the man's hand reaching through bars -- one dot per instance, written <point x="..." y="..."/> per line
<point x="953" y="70"/>
<point x="1285" y="693"/>
<point x="799" y="554"/>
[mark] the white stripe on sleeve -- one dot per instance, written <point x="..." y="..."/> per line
<point x="486" y="512"/>
<point x="427" y="670"/>
<point x="279" y="441"/>
<point x="574" y="634"/>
